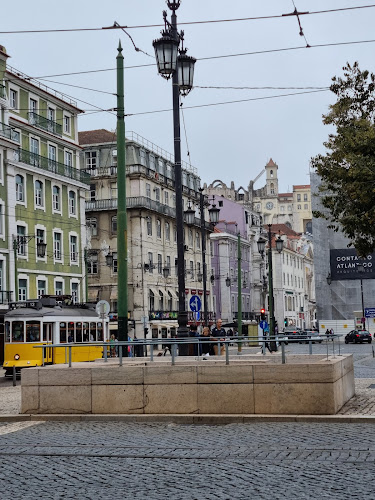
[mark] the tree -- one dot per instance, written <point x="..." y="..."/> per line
<point x="348" y="169"/>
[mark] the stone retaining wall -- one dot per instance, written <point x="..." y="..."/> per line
<point x="305" y="385"/>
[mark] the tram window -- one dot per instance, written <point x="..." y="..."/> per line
<point x="63" y="333"/>
<point x="7" y="331"/>
<point x="86" y="331"/>
<point x="78" y="332"/>
<point x="17" y="331"/>
<point x="70" y="331"/>
<point x="93" y="332"/>
<point x="100" y="332"/>
<point x="32" y="331"/>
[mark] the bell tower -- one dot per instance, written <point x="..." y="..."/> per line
<point x="272" y="183"/>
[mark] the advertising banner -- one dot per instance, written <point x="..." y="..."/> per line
<point x="346" y="265"/>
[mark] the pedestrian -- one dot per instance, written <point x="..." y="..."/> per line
<point x="206" y="343"/>
<point x="328" y="333"/>
<point x="112" y="346"/>
<point x="218" y="333"/>
<point x="193" y="348"/>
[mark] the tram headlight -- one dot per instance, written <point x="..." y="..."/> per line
<point x="16" y="357"/>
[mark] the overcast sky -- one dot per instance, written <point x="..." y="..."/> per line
<point x="229" y="141"/>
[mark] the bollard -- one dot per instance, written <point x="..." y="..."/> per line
<point x="120" y="355"/>
<point x="227" y="353"/>
<point x="310" y="347"/>
<point x="14" y="377"/>
<point x="105" y="353"/>
<point x="333" y="347"/>
<point x="70" y="356"/>
<point x="263" y="348"/>
<point x="43" y="355"/>
<point x="173" y="347"/>
<point x="283" y="353"/>
<point x="327" y="349"/>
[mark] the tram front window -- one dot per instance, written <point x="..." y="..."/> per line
<point x="17" y="331"/>
<point x="32" y="331"/>
<point x="7" y="331"/>
<point x="100" y="332"/>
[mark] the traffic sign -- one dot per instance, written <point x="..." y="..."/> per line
<point x="370" y="312"/>
<point x="263" y="324"/>
<point x="195" y="303"/>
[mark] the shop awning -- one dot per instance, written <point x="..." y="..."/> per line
<point x="93" y="294"/>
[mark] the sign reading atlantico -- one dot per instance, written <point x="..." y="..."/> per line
<point x="346" y="265"/>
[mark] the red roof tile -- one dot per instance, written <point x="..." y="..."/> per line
<point x="96" y="136"/>
<point x="271" y="163"/>
<point x="302" y="186"/>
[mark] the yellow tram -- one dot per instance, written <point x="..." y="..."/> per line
<point x="49" y="321"/>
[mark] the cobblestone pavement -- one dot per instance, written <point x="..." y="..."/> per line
<point x="169" y="461"/>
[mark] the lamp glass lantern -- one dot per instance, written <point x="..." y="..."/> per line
<point x="41" y="249"/>
<point x="109" y="259"/>
<point x="227" y="281"/>
<point x="189" y="215"/>
<point x="185" y="72"/>
<point x="213" y="214"/>
<point x="261" y="243"/>
<point x="279" y="244"/>
<point x="166" y="51"/>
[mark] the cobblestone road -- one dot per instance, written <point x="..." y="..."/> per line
<point x="169" y="461"/>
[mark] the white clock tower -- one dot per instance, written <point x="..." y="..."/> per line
<point x="272" y="186"/>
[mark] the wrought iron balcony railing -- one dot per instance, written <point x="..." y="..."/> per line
<point x="51" y="165"/>
<point x="9" y="132"/>
<point x="45" y="124"/>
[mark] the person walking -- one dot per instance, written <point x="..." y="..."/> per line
<point x="206" y="343"/>
<point x="218" y="333"/>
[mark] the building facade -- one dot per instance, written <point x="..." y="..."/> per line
<point x="152" y="235"/>
<point x="42" y="190"/>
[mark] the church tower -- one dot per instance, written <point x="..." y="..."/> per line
<point x="272" y="183"/>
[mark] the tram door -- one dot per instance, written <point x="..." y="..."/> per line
<point x="48" y="339"/>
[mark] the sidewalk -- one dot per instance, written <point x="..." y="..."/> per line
<point x="361" y="405"/>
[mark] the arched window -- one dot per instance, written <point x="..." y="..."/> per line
<point x="271" y="173"/>
<point x="161" y="301"/>
<point x="272" y="188"/>
<point x="20" y="188"/>
<point x="151" y="300"/>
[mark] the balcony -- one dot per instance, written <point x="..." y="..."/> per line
<point x="5" y="297"/>
<point x="245" y="315"/>
<point x="134" y="202"/>
<point x="45" y="124"/>
<point x="51" y="166"/>
<point x="9" y="133"/>
<point x="2" y="91"/>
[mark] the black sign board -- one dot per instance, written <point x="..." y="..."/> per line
<point x="346" y="265"/>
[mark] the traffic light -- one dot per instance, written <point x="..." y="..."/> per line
<point x="285" y="322"/>
<point x="262" y="314"/>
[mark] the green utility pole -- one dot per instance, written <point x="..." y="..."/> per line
<point x="239" y="292"/>
<point x="85" y="258"/>
<point x="122" y="245"/>
<point x="15" y="248"/>
<point x="271" y="303"/>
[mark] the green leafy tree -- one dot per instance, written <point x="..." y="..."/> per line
<point x="348" y="169"/>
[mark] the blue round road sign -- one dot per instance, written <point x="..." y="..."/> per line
<point x="263" y="324"/>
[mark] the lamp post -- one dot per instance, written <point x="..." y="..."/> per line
<point x="361" y="269"/>
<point x="271" y="303"/>
<point x="213" y="212"/>
<point x="181" y="69"/>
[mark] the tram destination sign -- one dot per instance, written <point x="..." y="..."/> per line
<point x="346" y="265"/>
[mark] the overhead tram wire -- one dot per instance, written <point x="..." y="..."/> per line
<point x="211" y="21"/>
<point x="223" y="56"/>
<point x="229" y="102"/>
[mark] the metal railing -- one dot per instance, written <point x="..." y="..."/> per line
<point x="51" y="165"/>
<point x="2" y="91"/>
<point x="9" y="132"/>
<point x="45" y="124"/>
<point x="178" y="345"/>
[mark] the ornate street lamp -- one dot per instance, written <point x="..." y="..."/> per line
<point x="261" y="243"/>
<point x="181" y="69"/>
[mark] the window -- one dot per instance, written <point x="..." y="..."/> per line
<point x="68" y="158"/>
<point x="90" y="161"/>
<point x="115" y="262"/>
<point x="40" y="238"/>
<point x="52" y="157"/>
<point x="272" y="188"/>
<point x="75" y="296"/>
<point x="175" y="233"/>
<point x="34" y="151"/>
<point x="41" y="288"/>
<point x="157" y="194"/>
<point x="168" y="264"/>
<point x="1" y="221"/>
<point x="58" y="287"/>
<point x="305" y="197"/>
<point x="13" y="99"/>
<point x="92" y="192"/>
<point x="39" y="194"/>
<point x="51" y="114"/>
<point x="150" y="261"/>
<point x="21" y="240"/>
<point x="66" y="121"/>
<point x="57" y="246"/>
<point x="197" y="239"/>
<point x="92" y="263"/>
<point x="289" y="208"/>
<point x="92" y="226"/>
<point x="158" y="228"/>
<point x="298" y="197"/>
<point x="306" y="206"/>
<point x="113" y="190"/>
<point x="191" y="269"/>
<point x="298" y="207"/>
<point x="282" y="208"/>
<point x="20" y="188"/>
<point x="149" y="226"/>
<point x="22" y="289"/>
<point x="167" y="230"/>
<point x="33" y="106"/>
<point x="160" y="264"/>
<point x="170" y="302"/>
<point x="114" y="223"/>
<point x="173" y="200"/>
<point x="56" y="203"/>
<point x="148" y="190"/>
<point x="73" y="249"/>
<point x="151" y="301"/>
<point x="190" y="238"/>
<point x="161" y="301"/>
<point x="72" y="203"/>
<point x="166" y="198"/>
<point x="143" y="157"/>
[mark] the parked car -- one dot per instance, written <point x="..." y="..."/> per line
<point x="313" y="335"/>
<point x="291" y="333"/>
<point x="358" y="336"/>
